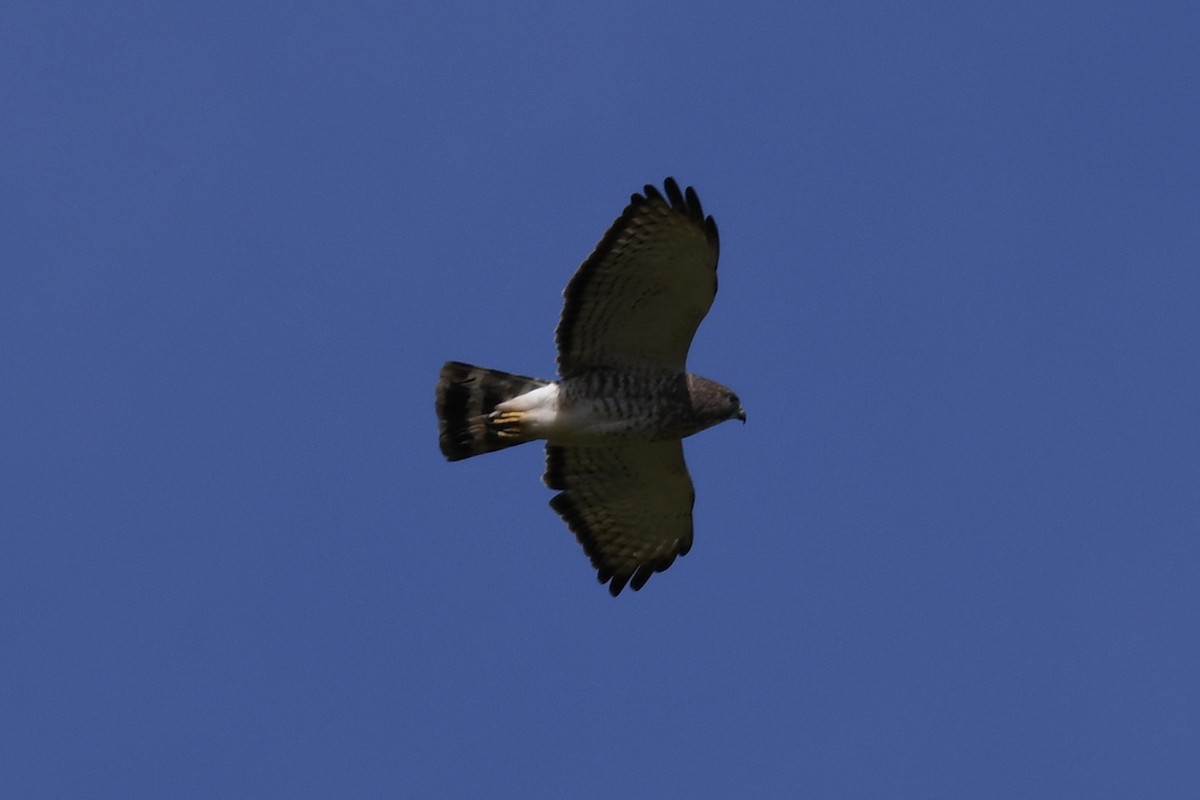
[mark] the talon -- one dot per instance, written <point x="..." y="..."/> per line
<point x="506" y="424"/>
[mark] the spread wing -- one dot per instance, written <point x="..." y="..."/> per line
<point x="641" y="294"/>
<point x="629" y="505"/>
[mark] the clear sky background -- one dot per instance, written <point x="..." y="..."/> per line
<point x="953" y="554"/>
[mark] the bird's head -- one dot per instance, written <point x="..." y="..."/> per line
<point x="734" y="408"/>
<point x="714" y="403"/>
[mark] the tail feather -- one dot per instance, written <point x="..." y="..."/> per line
<point x="466" y="395"/>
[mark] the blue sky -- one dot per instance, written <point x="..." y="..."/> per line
<point x="953" y="553"/>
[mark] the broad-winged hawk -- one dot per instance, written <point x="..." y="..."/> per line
<point x="615" y="419"/>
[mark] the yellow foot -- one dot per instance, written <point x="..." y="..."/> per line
<point x="506" y="424"/>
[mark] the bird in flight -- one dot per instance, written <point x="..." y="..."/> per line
<point x="615" y="420"/>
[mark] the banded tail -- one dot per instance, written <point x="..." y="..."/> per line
<point x="466" y="397"/>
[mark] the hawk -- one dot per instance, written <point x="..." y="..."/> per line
<point x="615" y="419"/>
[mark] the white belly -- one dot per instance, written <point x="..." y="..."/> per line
<point x="543" y="417"/>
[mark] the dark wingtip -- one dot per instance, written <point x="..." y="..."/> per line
<point x="674" y="195"/>
<point x="640" y="577"/>
<point x="687" y="202"/>
<point x="693" y="204"/>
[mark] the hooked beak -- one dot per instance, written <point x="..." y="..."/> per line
<point x="741" y="414"/>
